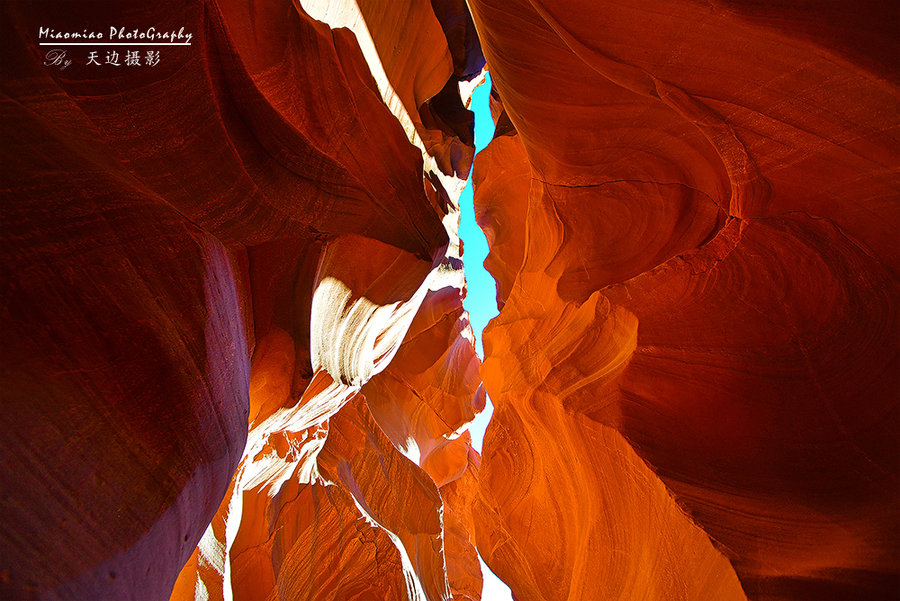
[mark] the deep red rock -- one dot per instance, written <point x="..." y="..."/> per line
<point x="707" y="266"/>
<point x="167" y="236"/>
<point x="236" y="363"/>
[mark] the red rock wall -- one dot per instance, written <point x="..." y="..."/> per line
<point x="235" y="360"/>
<point x="204" y="263"/>
<point x="695" y="366"/>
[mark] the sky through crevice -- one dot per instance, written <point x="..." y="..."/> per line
<point x="481" y="297"/>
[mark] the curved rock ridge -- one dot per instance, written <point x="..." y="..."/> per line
<point x="694" y="371"/>
<point x="236" y="364"/>
<point x="418" y="53"/>
<point x="369" y="311"/>
<point x="205" y="264"/>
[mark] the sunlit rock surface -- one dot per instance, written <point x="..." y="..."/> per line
<point x="236" y="365"/>
<point x="695" y="366"/>
<point x="209" y="266"/>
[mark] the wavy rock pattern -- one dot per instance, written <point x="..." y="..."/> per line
<point x="698" y="282"/>
<point x="236" y="364"/>
<point x="209" y="260"/>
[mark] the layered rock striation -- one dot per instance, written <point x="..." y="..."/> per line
<point x="236" y="363"/>
<point x="233" y="307"/>
<point x="691" y="211"/>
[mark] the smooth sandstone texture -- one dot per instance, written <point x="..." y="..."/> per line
<point x="695" y="365"/>
<point x="236" y="364"/>
<point x="371" y="302"/>
<point x="204" y="263"/>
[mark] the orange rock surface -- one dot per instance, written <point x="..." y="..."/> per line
<point x="236" y="364"/>
<point x="695" y="365"/>
<point x="205" y="263"/>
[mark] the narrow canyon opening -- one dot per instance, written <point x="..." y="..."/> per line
<point x="481" y="293"/>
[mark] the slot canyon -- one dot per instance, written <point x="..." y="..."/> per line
<point x="236" y="365"/>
